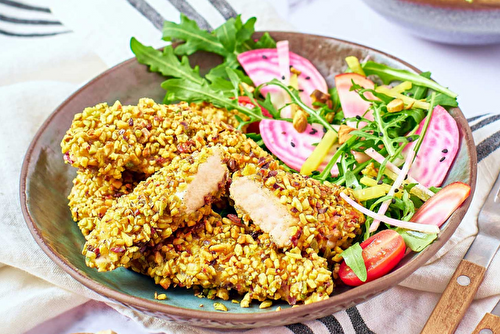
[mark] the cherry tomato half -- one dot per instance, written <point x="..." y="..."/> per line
<point x="381" y="252"/>
<point x="245" y="101"/>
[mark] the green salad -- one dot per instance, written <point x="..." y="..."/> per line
<point x="387" y="133"/>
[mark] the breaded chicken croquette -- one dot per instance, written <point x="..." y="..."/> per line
<point x="93" y="194"/>
<point x="145" y="137"/>
<point x="295" y="210"/>
<point x="177" y="195"/>
<point x="224" y="255"/>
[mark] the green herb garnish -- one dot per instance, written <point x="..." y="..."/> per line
<point x="388" y="74"/>
<point x="416" y="241"/>
<point x="353" y="257"/>
<point x="165" y="62"/>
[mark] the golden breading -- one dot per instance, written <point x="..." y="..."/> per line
<point x="284" y="243"/>
<point x="295" y="210"/>
<point x="145" y="137"/>
<point x="177" y="195"/>
<point x="93" y="194"/>
<point x="223" y="255"/>
<point x="214" y="114"/>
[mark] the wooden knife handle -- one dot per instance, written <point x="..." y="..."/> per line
<point x="456" y="299"/>
<point x="490" y="321"/>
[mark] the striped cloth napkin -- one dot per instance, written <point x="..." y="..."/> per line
<point x="49" y="50"/>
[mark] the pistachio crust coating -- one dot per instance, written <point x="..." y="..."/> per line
<point x="285" y="245"/>
<point x="145" y="137"/>
<point x="295" y="210"/>
<point x="221" y="254"/>
<point x="93" y="194"/>
<point x="156" y="208"/>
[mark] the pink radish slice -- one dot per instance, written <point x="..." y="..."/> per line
<point x="284" y="67"/>
<point x="262" y="66"/>
<point x="439" y="207"/>
<point x="284" y="61"/>
<point x="438" y="149"/>
<point x="287" y="144"/>
<point x="294" y="148"/>
<point x="352" y="104"/>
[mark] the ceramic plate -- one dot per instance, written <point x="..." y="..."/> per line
<point x="46" y="183"/>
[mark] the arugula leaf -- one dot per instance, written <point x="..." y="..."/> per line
<point x="334" y="96"/>
<point x="350" y="179"/>
<point x="435" y="189"/>
<point x="345" y="148"/>
<point x="219" y="72"/>
<point x="361" y="91"/>
<point x="265" y="42"/>
<point x="444" y="100"/>
<point x="413" y="119"/>
<point x="244" y="33"/>
<point x="257" y="138"/>
<point x="235" y="81"/>
<point x="226" y="34"/>
<point x="409" y="207"/>
<point x="389" y="74"/>
<point x="314" y="115"/>
<point x="426" y="124"/>
<point x="230" y="39"/>
<point x="353" y="257"/>
<point x="420" y="92"/>
<point x="416" y="241"/>
<point x="165" y="62"/>
<point x="194" y="37"/>
<point x="269" y="106"/>
<point x="185" y="90"/>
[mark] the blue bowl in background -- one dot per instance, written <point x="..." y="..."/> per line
<point x="446" y="21"/>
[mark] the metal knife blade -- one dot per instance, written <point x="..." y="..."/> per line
<point x="487" y="242"/>
<point x="496" y="310"/>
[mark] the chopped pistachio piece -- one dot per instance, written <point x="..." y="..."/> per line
<point x="344" y="133"/>
<point x="300" y="120"/>
<point x="220" y="307"/>
<point x="395" y="105"/>
<point x="266" y="304"/>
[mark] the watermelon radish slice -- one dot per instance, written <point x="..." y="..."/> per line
<point x="284" y="61"/>
<point x="294" y="148"/>
<point x="438" y="149"/>
<point x="262" y="66"/>
<point x="440" y="206"/>
<point x="352" y="104"/>
<point x="284" y="67"/>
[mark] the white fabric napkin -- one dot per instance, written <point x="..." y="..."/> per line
<point x="43" y="63"/>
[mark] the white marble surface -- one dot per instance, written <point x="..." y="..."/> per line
<point x="470" y="71"/>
